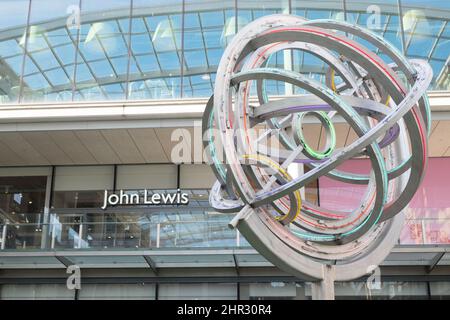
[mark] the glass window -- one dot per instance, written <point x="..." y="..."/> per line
<point x="195" y="291"/>
<point x="36" y="292"/>
<point x="440" y="290"/>
<point x="22" y="202"/>
<point x="139" y="291"/>
<point x="76" y="218"/>
<point x="385" y="291"/>
<point x="82" y="186"/>
<point x="13" y="21"/>
<point x="21" y="195"/>
<point x="276" y="290"/>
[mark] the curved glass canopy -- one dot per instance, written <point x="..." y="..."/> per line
<point x="91" y="50"/>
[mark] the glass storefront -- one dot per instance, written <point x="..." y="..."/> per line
<point x="61" y="208"/>
<point x="275" y="290"/>
<point x="91" y="50"/>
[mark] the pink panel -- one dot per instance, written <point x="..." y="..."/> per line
<point x="343" y="196"/>
<point x="428" y="213"/>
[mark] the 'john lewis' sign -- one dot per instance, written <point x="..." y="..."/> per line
<point x="144" y="198"/>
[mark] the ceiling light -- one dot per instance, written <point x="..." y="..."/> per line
<point x="162" y="38"/>
<point x="33" y="32"/>
<point x="93" y="30"/>
<point x="415" y="22"/>
<point x="229" y="29"/>
<point x="163" y="30"/>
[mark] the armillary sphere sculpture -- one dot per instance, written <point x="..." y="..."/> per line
<point x="382" y="99"/>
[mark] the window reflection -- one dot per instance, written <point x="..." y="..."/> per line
<point x="21" y="195"/>
<point x="22" y="206"/>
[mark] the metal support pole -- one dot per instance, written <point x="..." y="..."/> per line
<point x="80" y="236"/>
<point x="52" y="246"/>
<point x="158" y="230"/>
<point x="47" y="206"/>
<point x="4" y="237"/>
<point x="324" y="290"/>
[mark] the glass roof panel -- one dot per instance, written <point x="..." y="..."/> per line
<point x="114" y="91"/>
<point x="57" y="77"/>
<point x="193" y="39"/>
<point x="141" y="43"/>
<point x="102" y="69"/>
<point x="420" y="46"/>
<point x="442" y="50"/>
<point x="9" y="48"/>
<point x="191" y="20"/>
<point x="214" y="56"/>
<point x="195" y="59"/>
<point x="45" y="59"/>
<point x="36" y="81"/>
<point x="58" y="37"/>
<point x="138" y="25"/>
<point x="65" y="53"/>
<point x="147" y="63"/>
<point x="169" y="61"/>
<point x="212" y="38"/>
<point x="91" y="49"/>
<point x="156" y="46"/>
<point x="15" y="63"/>
<point x="83" y="73"/>
<point x="212" y="19"/>
<point x="120" y="65"/>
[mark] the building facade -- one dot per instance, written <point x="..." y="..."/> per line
<point x="101" y="97"/>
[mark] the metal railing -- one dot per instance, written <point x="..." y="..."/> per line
<point x="169" y="234"/>
<point x="110" y="235"/>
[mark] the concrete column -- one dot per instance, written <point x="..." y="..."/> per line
<point x="324" y="290"/>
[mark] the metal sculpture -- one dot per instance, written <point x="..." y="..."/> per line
<point x="383" y="100"/>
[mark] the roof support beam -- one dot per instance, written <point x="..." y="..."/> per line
<point x="64" y="260"/>
<point x="236" y="264"/>
<point x="151" y="264"/>
<point x="435" y="261"/>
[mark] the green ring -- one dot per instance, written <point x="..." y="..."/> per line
<point x="331" y="136"/>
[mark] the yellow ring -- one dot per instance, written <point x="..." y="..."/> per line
<point x="285" y="174"/>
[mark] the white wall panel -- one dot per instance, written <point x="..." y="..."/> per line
<point x="196" y="176"/>
<point x="157" y="176"/>
<point x="207" y="291"/>
<point x="25" y="171"/>
<point x="84" y="178"/>
<point x="36" y="292"/>
<point x="117" y="292"/>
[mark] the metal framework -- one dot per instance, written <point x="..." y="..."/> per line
<point x="74" y="75"/>
<point x="384" y="102"/>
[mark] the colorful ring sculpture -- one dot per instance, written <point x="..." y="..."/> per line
<point x="383" y="101"/>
